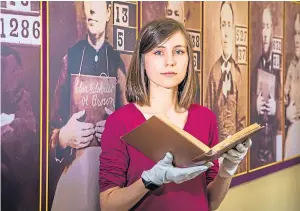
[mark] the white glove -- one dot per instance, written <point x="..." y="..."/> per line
<point x="164" y="172"/>
<point x="230" y="160"/>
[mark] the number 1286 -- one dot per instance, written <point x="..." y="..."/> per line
<point x="20" y="29"/>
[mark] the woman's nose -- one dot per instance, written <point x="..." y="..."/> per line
<point x="170" y="60"/>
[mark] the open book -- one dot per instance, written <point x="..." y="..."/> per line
<point x="157" y="136"/>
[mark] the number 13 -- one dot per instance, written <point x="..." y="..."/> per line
<point x="123" y="18"/>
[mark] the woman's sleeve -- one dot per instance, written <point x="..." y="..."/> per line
<point x="114" y="158"/>
<point x="214" y="139"/>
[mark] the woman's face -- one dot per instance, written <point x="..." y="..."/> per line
<point x="166" y="65"/>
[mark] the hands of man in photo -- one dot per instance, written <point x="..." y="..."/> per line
<point x="226" y="86"/>
<point x="292" y="113"/>
<point x="76" y="134"/>
<point x="164" y="172"/>
<point x="231" y="159"/>
<point x="271" y="106"/>
<point x="260" y="104"/>
<point x="101" y="125"/>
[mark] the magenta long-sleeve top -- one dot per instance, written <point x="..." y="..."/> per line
<point x="122" y="165"/>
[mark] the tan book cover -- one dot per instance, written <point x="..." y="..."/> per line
<point x="266" y="84"/>
<point x="92" y="94"/>
<point x="157" y="136"/>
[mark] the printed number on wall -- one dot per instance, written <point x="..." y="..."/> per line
<point x="121" y="14"/>
<point x="277" y="47"/>
<point x="242" y="55"/>
<point x="23" y="6"/>
<point x="195" y="61"/>
<point x="120" y="39"/>
<point x="196" y="40"/>
<point x="20" y="29"/>
<point x="241" y="36"/>
<point x="276" y="61"/>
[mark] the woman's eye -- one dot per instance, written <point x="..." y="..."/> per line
<point x="158" y="53"/>
<point x="179" y="52"/>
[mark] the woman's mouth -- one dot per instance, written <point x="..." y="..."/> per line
<point x="169" y="74"/>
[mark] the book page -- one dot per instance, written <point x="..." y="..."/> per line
<point x="237" y="138"/>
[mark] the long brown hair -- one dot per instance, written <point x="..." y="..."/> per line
<point x="153" y="34"/>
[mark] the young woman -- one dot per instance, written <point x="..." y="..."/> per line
<point x="161" y="80"/>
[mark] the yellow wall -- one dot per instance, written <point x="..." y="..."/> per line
<point x="279" y="191"/>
